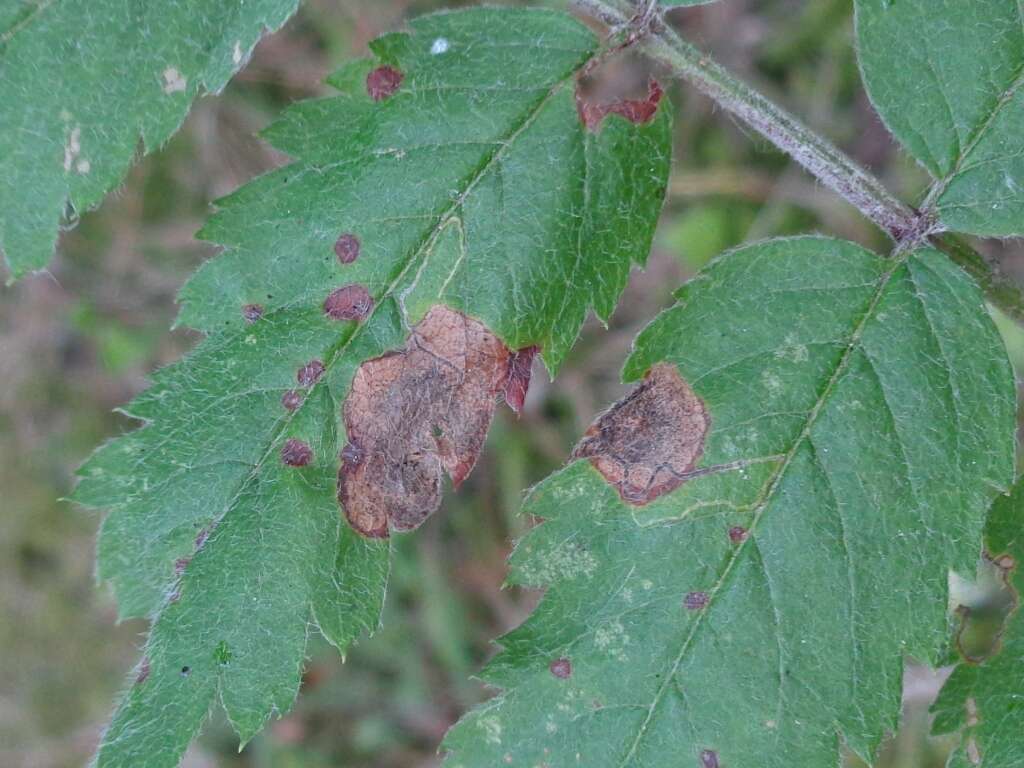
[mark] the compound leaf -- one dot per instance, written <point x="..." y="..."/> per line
<point x="82" y="80"/>
<point x="447" y="214"/>
<point x="986" y="699"/>
<point x="751" y="602"/>
<point x="946" y="78"/>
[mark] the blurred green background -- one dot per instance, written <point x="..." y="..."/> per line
<point x="79" y="340"/>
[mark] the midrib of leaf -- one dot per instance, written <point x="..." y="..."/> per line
<point x="940" y="186"/>
<point x="336" y="351"/>
<point x="24" y="21"/>
<point x="669" y="676"/>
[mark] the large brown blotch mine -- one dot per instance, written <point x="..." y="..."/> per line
<point x="415" y="413"/>
<point x="646" y="443"/>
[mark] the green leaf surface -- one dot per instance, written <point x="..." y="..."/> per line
<point x="862" y="418"/>
<point x="82" y="80"/>
<point x="988" y="698"/>
<point x="473" y="185"/>
<point x="946" y="77"/>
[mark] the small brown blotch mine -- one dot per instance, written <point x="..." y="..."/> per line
<point x="346" y="248"/>
<point x="186" y="671"/>
<point x="709" y="758"/>
<point x="519" y="370"/>
<point x="350" y="302"/>
<point x="382" y="82"/>
<point x="310" y="373"/>
<point x="694" y="601"/>
<point x="143" y="674"/>
<point x="252" y="312"/>
<point x="737" y="534"/>
<point x="637" y="111"/>
<point x="646" y="444"/>
<point x="415" y="414"/>
<point x="291" y="399"/>
<point x="351" y="454"/>
<point x="181" y="564"/>
<point x="561" y="668"/>
<point x="296" y="453"/>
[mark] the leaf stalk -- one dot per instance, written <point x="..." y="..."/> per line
<point x="906" y="226"/>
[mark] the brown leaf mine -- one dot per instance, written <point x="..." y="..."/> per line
<point x="350" y="302"/>
<point x="695" y="601"/>
<point x="561" y="668"/>
<point x="637" y="111"/>
<point x="291" y="400"/>
<point x="310" y="373"/>
<point x="296" y="453"/>
<point x="252" y="312"/>
<point x="414" y="414"/>
<point x="346" y="248"/>
<point x="382" y="82"/>
<point x="646" y="443"/>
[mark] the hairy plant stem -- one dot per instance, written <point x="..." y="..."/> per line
<point x="822" y="159"/>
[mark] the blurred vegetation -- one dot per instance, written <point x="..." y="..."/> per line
<point x="78" y="341"/>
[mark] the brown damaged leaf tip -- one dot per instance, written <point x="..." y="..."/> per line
<point x="637" y="111"/>
<point x="413" y="415"/>
<point x="646" y="443"/>
<point x="519" y="369"/>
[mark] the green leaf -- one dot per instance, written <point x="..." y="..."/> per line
<point x="82" y="80"/>
<point x="986" y="698"/>
<point x="861" y="419"/>
<point x="473" y="185"/>
<point x="946" y="78"/>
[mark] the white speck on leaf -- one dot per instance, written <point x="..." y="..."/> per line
<point x="492" y="729"/>
<point x="83" y="166"/>
<point x="439" y="46"/>
<point x="772" y="383"/>
<point x="236" y="55"/>
<point x="72" y="147"/>
<point x="173" y="81"/>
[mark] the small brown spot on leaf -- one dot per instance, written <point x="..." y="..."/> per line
<point x="646" y="443"/>
<point x="252" y="312"/>
<point x="382" y="82"/>
<point x="519" y="369"/>
<point x="310" y="373"/>
<point x="635" y="110"/>
<point x="186" y="671"/>
<point x="350" y="302"/>
<point x="737" y="534"/>
<point x="1005" y="562"/>
<point x="181" y="564"/>
<point x="202" y="536"/>
<point x="694" y="601"/>
<point x="561" y="668"/>
<point x="346" y="248"/>
<point x="291" y="399"/>
<point x="709" y="759"/>
<point x="296" y="453"/>
<point x="143" y="674"/>
<point x="413" y="415"/>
